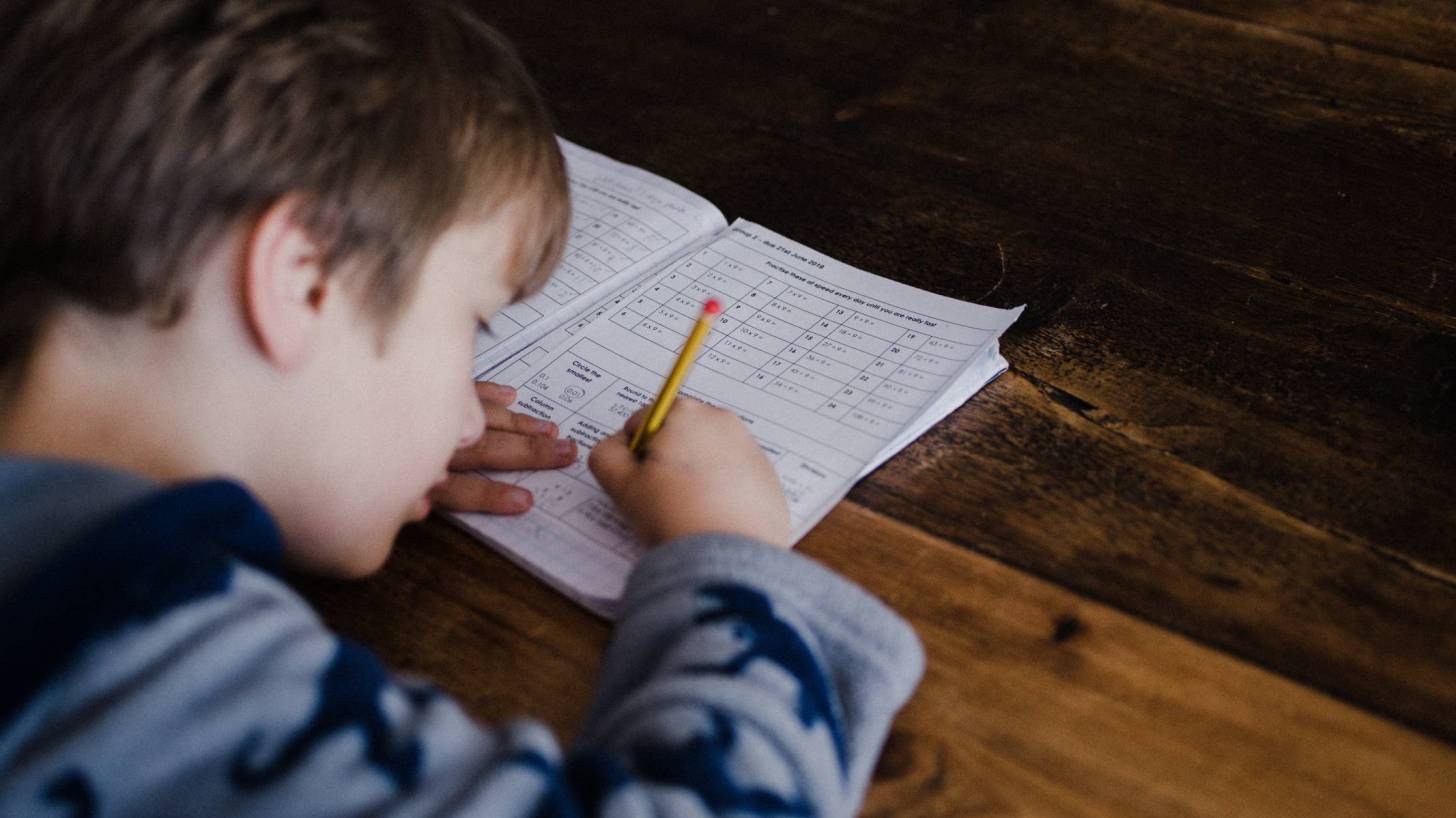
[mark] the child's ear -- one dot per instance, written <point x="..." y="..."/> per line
<point x="284" y="285"/>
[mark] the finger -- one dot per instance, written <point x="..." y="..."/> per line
<point x="495" y="393"/>
<point x="499" y="418"/>
<point x="637" y="419"/>
<point x="471" y="492"/>
<point x="507" y="450"/>
<point x="612" y="461"/>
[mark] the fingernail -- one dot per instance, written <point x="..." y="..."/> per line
<point x="542" y="427"/>
<point x="520" y="499"/>
<point x="565" y="447"/>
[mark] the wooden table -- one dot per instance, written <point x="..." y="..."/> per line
<point x="1196" y="553"/>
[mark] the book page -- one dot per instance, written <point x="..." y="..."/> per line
<point x="833" y="370"/>
<point x="625" y="222"/>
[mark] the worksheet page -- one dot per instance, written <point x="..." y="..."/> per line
<point x="624" y="222"/>
<point x="832" y="368"/>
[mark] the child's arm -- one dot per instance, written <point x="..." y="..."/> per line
<point x="741" y="679"/>
<point x="740" y="675"/>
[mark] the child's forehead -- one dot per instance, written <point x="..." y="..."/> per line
<point x="528" y="226"/>
<point x="495" y="242"/>
<point x="523" y="212"/>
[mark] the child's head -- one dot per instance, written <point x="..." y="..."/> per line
<point x="318" y="197"/>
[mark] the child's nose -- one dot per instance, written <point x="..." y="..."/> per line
<point x="474" y="428"/>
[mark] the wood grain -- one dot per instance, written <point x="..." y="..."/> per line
<point x="1040" y="702"/>
<point x="1036" y="701"/>
<point x="1417" y="30"/>
<point x="1035" y="485"/>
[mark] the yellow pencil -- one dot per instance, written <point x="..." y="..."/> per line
<point x="658" y="412"/>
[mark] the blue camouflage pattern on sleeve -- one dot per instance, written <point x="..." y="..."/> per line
<point x="349" y="697"/>
<point x="701" y="764"/>
<point x="73" y="789"/>
<point x="773" y="640"/>
<point x="170" y="549"/>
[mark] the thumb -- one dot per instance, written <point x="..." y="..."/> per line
<point x="637" y="419"/>
<point x="612" y="461"/>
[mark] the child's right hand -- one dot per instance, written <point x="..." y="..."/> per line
<point x="703" y="473"/>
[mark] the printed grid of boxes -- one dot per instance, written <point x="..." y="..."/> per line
<point x="604" y="241"/>
<point x="843" y="363"/>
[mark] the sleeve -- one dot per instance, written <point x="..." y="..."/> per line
<point x="740" y="680"/>
<point x="743" y="679"/>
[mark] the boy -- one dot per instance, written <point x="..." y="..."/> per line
<point x="244" y="247"/>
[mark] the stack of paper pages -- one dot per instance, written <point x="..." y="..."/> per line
<point x="833" y="369"/>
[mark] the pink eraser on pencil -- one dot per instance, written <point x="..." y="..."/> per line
<point x="712" y="307"/>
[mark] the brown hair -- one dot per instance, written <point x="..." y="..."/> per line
<point x="136" y="134"/>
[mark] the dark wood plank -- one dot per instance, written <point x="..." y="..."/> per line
<point x="1133" y="119"/>
<point x="1418" y="30"/>
<point x="1036" y="701"/>
<point x="1017" y="475"/>
<point x="1231" y="257"/>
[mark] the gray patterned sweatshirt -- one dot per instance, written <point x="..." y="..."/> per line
<point x="153" y="663"/>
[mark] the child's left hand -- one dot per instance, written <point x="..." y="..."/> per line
<point x="511" y="441"/>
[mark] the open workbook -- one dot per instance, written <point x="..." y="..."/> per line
<point x="833" y="369"/>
